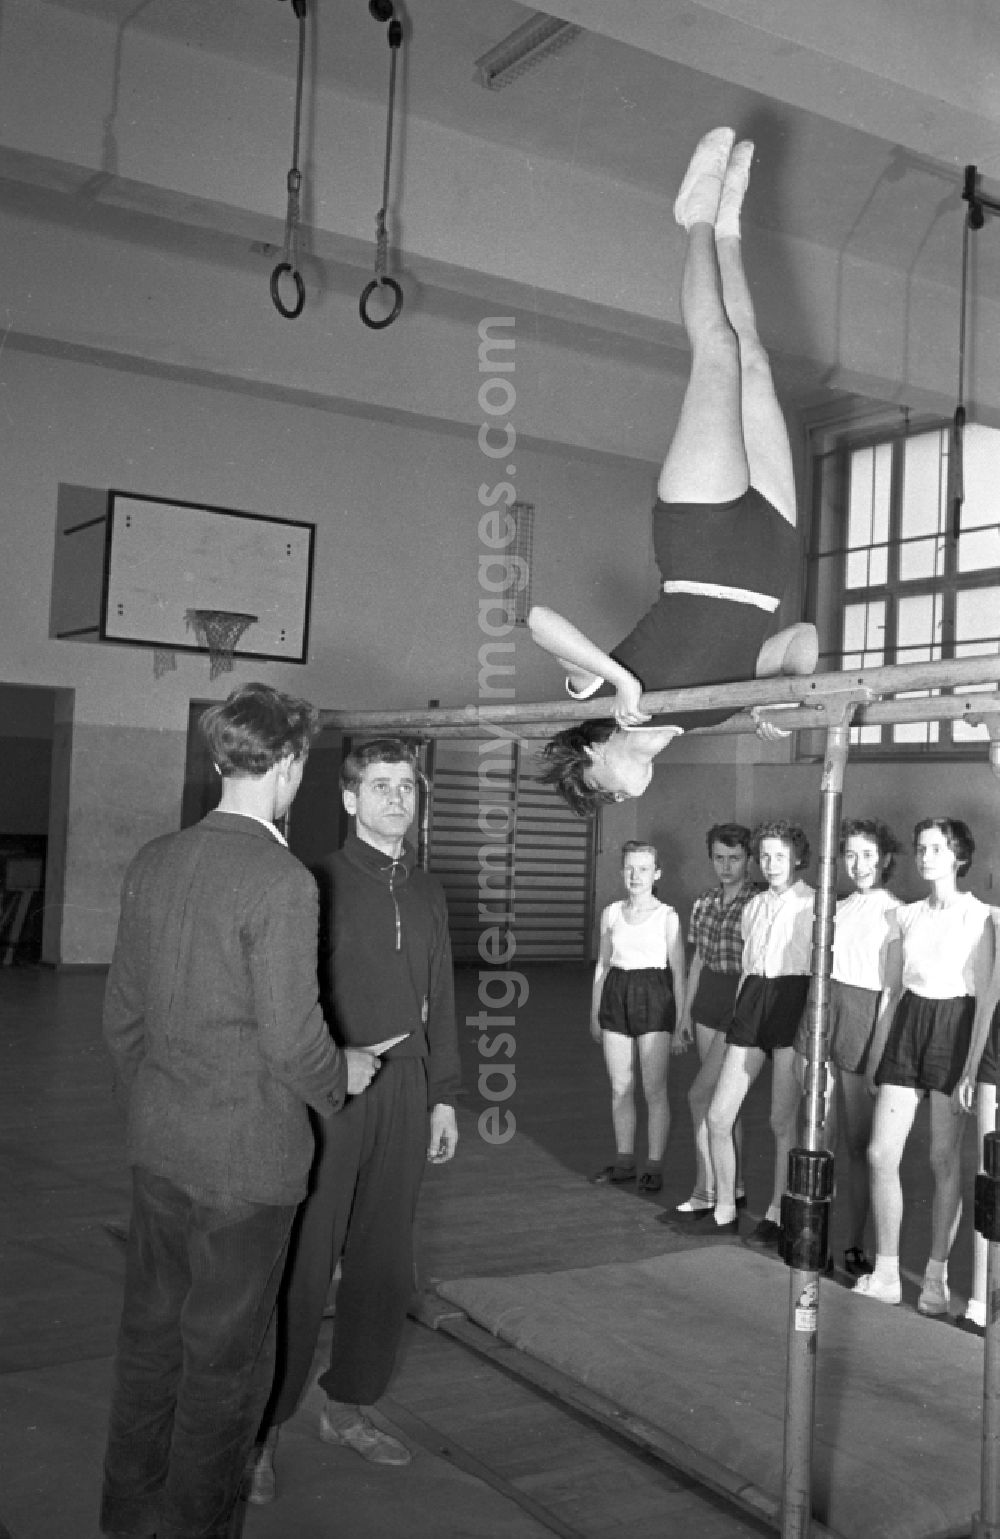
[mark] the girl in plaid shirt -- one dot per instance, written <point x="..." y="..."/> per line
<point x="715" y="933"/>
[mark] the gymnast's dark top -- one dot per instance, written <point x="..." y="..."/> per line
<point x="689" y="639"/>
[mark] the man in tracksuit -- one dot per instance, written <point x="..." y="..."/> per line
<point x="386" y="974"/>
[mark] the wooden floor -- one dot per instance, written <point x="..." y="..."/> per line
<point x="523" y="1206"/>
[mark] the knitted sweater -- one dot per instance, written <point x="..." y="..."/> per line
<point x="385" y="959"/>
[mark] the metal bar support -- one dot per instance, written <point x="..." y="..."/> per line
<point x="805" y="1217"/>
<point x="986" y="1522"/>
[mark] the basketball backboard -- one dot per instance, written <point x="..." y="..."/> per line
<point x="164" y="560"/>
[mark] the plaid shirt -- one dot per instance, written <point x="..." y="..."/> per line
<point x="715" y="929"/>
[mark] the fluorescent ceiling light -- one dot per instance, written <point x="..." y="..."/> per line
<point x="535" y="39"/>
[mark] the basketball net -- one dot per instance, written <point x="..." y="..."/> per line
<point x="219" y="630"/>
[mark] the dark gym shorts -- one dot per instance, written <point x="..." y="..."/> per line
<point x="714" y="999"/>
<point x="637" y="1000"/>
<point x="990" y="1061"/>
<point x="768" y="1012"/>
<point x="853" y="1013"/>
<point x="928" y="1043"/>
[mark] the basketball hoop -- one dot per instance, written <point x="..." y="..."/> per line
<point x="219" y="630"/>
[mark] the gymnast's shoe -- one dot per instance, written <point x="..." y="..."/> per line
<point x="734" y="186"/>
<point x="617" y="1174"/>
<point x="698" y="200"/>
<point x="349" y="1426"/>
<point x="690" y="1212"/>
<point x="766" y="1236"/>
<point x="871" y="1286"/>
<point x="934" y="1296"/>
<point x="856" y="1263"/>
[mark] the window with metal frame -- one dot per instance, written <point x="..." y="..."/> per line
<point x="904" y="563"/>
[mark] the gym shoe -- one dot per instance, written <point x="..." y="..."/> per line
<point x="650" y="1181"/>
<point x="261" y="1488"/>
<point x="856" y="1263"/>
<point x="614" y="1175"/>
<point x="766" y="1236"/>
<point x="358" y="1432"/>
<point x="934" y="1297"/>
<point x="701" y="189"/>
<point x="872" y="1287"/>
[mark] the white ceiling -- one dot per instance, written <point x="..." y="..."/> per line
<point x="863" y="114"/>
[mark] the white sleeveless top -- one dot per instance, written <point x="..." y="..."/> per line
<point x="940" y="946"/>
<point x="637" y="945"/>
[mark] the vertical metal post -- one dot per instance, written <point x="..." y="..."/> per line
<point x="806" y="1204"/>
<point x="986" y="1522"/>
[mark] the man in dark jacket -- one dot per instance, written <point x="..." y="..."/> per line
<point x="386" y="974"/>
<point x="213" y="1019"/>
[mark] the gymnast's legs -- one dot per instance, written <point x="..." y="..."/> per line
<point x="731" y="432"/>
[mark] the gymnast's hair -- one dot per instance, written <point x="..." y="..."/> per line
<point x="378" y="750"/>
<point x="791" y="834"/>
<point x="732" y="835"/>
<point x="254" y="727"/>
<point x="958" y="836"/>
<point x="879" y="834"/>
<point x="568" y="762"/>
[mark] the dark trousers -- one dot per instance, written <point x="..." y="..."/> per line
<point x="360" y="1209"/>
<point x="194" y="1360"/>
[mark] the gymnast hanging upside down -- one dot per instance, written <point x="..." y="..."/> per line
<point x="723" y="524"/>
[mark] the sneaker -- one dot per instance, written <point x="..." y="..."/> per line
<point x="353" y="1429"/>
<point x="261" y="1487"/>
<point x="614" y="1175"/>
<point x="766" y="1236"/>
<point x="872" y="1287"/>
<point x="934" y="1297"/>
<point x="692" y="1212"/>
<point x="856" y="1263"/>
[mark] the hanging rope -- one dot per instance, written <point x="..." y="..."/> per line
<point x="395" y="37"/>
<point x="290" y="256"/>
<point x="956" y="446"/>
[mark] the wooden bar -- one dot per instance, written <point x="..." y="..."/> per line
<point x="807" y="691"/>
<point x="802" y="718"/>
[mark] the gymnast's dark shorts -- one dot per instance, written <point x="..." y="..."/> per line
<point x="637" y="1000"/>
<point x="768" y="1012"/>
<point x="714" y="999"/>
<point x="989" y="1064"/>
<point x="853" y="1013"/>
<point x="928" y="1043"/>
<point x="688" y="638"/>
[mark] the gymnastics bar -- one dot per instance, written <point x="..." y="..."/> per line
<point x="973" y="708"/>
<point x="891" y="679"/>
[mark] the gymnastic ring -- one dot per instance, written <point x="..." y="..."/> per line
<point x="397" y="305"/>
<point x="300" y="291"/>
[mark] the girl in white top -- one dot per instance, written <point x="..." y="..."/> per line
<point x="863" y="990"/>
<point x="638" y="994"/>
<point x="947" y="962"/>
<point x="777" y="958"/>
